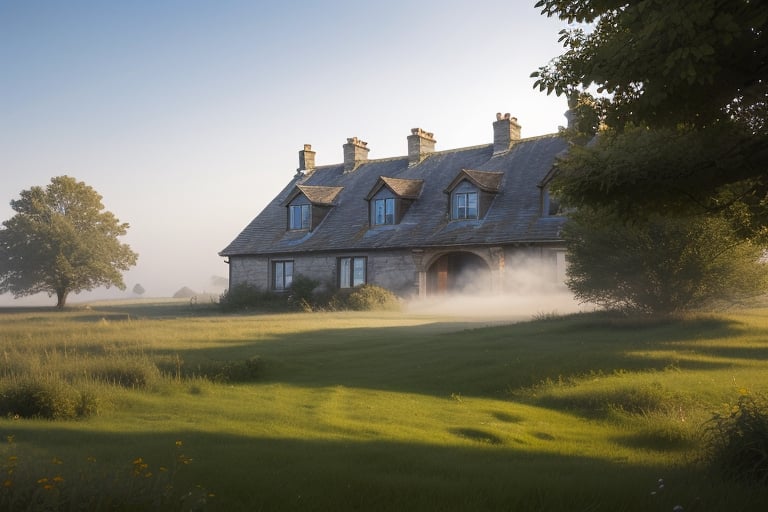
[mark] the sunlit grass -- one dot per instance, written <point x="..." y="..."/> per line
<point x="389" y="412"/>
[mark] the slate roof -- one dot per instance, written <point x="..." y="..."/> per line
<point x="484" y="180"/>
<point x="407" y="189"/>
<point x="513" y="217"/>
<point x="321" y="196"/>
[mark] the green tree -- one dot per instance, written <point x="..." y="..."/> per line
<point x="668" y="168"/>
<point x="662" y="264"/>
<point x="61" y="241"/>
<point x="679" y="93"/>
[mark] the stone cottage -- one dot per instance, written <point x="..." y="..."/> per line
<point x="427" y="223"/>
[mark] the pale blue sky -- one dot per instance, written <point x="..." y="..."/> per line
<point x="187" y="115"/>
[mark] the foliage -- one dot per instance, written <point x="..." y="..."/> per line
<point x="138" y="289"/>
<point x="305" y="294"/>
<point x="679" y="98"/>
<point x="61" y="241"/>
<point x="247" y="297"/>
<point x="371" y="298"/>
<point x="738" y="440"/>
<point x="39" y="397"/>
<point x="660" y="264"/>
<point x="669" y="120"/>
<point x="659" y="61"/>
<point x="308" y="295"/>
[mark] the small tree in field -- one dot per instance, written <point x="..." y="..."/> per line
<point x="661" y="264"/>
<point x="62" y="241"/>
<point x="138" y="289"/>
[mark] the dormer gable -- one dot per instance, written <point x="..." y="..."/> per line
<point x="320" y="196"/>
<point x="471" y="193"/>
<point x="390" y="198"/>
<point x="487" y="181"/>
<point x="308" y="205"/>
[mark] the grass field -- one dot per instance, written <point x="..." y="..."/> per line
<point x="381" y="411"/>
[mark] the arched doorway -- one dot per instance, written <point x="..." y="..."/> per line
<point x="458" y="272"/>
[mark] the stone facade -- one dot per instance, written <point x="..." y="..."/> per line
<point x="475" y="218"/>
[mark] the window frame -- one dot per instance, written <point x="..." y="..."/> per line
<point x="387" y="211"/>
<point x="352" y="271"/>
<point x="279" y="270"/>
<point x="466" y="208"/>
<point x="304" y="216"/>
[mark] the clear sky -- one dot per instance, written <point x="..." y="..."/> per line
<point x="187" y="115"/>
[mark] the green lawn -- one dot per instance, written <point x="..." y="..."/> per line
<point x="387" y="411"/>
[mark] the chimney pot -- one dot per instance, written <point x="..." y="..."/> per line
<point x="420" y="144"/>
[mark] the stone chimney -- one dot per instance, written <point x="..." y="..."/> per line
<point x="420" y="144"/>
<point x="506" y="132"/>
<point x="355" y="153"/>
<point x="306" y="159"/>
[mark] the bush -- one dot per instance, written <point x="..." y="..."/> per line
<point x="370" y="298"/>
<point x="737" y="442"/>
<point x="303" y="294"/>
<point x="40" y="397"/>
<point x="247" y="297"/>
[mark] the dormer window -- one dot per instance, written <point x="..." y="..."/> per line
<point x="383" y="211"/>
<point x="308" y="205"/>
<point x="300" y="216"/>
<point x="390" y="198"/>
<point x="464" y="205"/>
<point x="471" y="193"/>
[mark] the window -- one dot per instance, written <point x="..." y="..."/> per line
<point x="300" y="216"/>
<point x="464" y="205"/>
<point x="352" y="272"/>
<point x="282" y="272"/>
<point x="384" y="211"/>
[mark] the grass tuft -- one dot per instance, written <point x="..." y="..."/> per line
<point x="737" y="441"/>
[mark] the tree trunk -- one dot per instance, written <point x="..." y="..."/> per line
<point x="61" y="298"/>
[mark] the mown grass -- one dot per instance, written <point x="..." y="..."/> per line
<point x="385" y="411"/>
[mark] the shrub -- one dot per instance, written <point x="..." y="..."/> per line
<point x="40" y="397"/>
<point x="371" y="298"/>
<point x="247" y="297"/>
<point x="303" y="294"/>
<point x="737" y="442"/>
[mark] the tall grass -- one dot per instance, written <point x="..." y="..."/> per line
<point x="362" y="411"/>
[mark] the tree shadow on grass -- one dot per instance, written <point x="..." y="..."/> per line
<point x="478" y="362"/>
<point x="247" y="473"/>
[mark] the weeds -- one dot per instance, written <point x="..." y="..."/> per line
<point x="737" y="441"/>
<point x="28" y="484"/>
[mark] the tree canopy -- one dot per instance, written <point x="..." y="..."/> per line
<point x="668" y="167"/>
<point x="663" y="264"/>
<point x="61" y="240"/>
<point x="679" y="94"/>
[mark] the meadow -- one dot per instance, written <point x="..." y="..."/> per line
<point x="172" y="406"/>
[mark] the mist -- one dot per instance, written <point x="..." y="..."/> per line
<point x="530" y="288"/>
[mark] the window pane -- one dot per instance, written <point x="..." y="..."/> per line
<point x="359" y="273"/>
<point x="460" y="206"/>
<point x="295" y="217"/>
<point x="390" y="211"/>
<point x="472" y="205"/>
<point x="305" y="216"/>
<point x="379" y="211"/>
<point x="278" y="275"/>
<point x="344" y="273"/>
<point x="288" y="274"/>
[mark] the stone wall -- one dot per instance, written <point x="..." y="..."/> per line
<point x="401" y="271"/>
